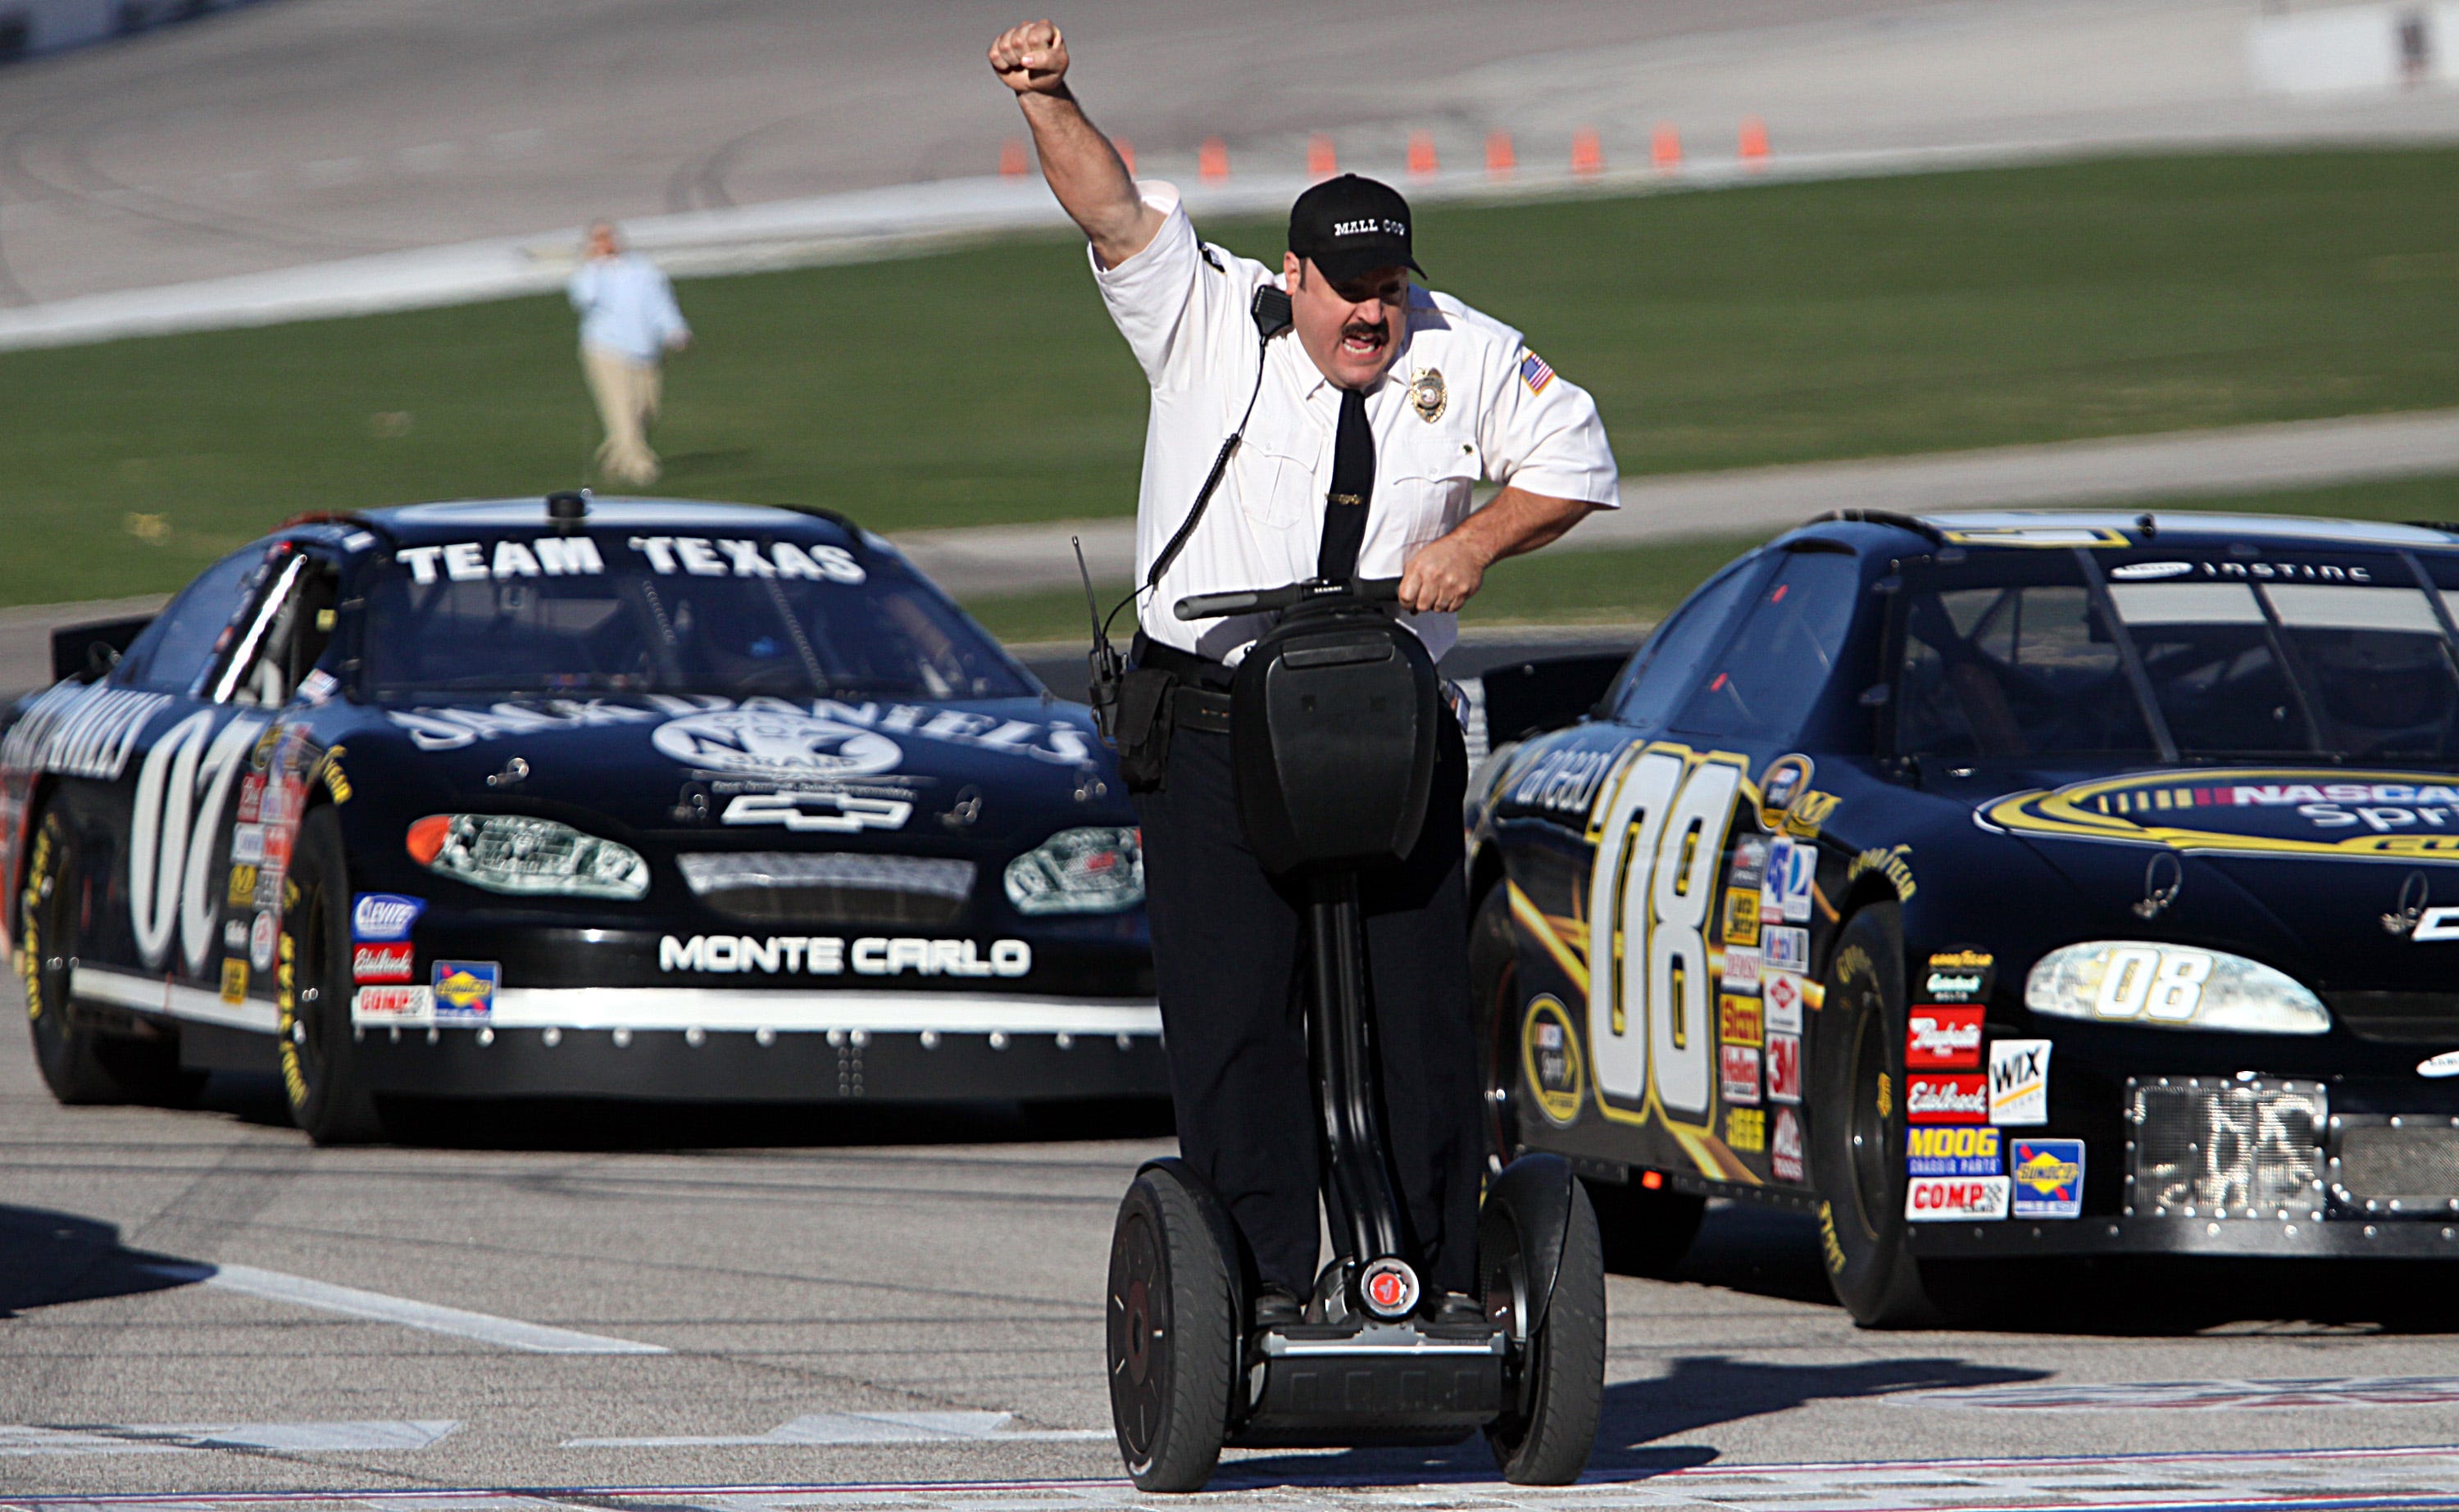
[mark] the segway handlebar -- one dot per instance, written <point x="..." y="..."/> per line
<point x="1263" y="601"/>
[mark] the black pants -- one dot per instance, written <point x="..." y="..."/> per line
<point x="1228" y="955"/>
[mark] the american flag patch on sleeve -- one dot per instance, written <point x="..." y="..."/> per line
<point x="1534" y="373"/>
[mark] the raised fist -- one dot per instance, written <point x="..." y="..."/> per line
<point x="1031" y="59"/>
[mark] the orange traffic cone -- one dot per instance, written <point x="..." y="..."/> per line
<point x="1012" y="163"/>
<point x="1421" y="155"/>
<point x="1213" y="160"/>
<point x="1127" y="153"/>
<point x="1666" y="149"/>
<point x="1321" y="161"/>
<point x="1755" y="146"/>
<point x="1588" y="155"/>
<point x="1498" y="160"/>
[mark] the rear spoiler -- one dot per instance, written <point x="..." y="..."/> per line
<point x="1528" y="697"/>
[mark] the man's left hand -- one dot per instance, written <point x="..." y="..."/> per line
<point x="1442" y="574"/>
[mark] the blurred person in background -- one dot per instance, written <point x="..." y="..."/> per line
<point x="628" y="324"/>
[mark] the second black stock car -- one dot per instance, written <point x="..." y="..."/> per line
<point x="2001" y="885"/>
<point x="572" y="797"/>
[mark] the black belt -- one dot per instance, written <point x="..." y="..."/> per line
<point x="1201" y="701"/>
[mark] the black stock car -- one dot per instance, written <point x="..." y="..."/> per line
<point x="2002" y="885"/>
<point x="612" y="798"/>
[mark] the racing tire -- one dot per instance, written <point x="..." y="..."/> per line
<point x="80" y="1063"/>
<point x="328" y="1097"/>
<point x="1173" y="1331"/>
<point x="1549" y="1428"/>
<point x="1646" y="1233"/>
<point x="1494" y="991"/>
<point x="1857" y="1127"/>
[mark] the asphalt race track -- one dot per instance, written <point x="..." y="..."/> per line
<point x="196" y="1302"/>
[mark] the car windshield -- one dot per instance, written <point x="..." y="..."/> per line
<point x="2342" y="656"/>
<point x="668" y="615"/>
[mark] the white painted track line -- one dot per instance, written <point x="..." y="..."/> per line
<point x="866" y="1428"/>
<point x="485" y="1328"/>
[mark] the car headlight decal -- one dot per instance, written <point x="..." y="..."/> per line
<point x="1095" y="869"/>
<point x="2172" y="987"/>
<point x="527" y="856"/>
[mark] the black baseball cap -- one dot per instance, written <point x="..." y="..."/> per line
<point x="1350" y="226"/>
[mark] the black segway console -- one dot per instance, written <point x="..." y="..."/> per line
<point x="1334" y="717"/>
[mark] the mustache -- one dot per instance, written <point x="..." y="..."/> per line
<point x="1359" y="327"/>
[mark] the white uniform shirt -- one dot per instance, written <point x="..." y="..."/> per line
<point x="626" y="305"/>
<point x="1504" y="417"/>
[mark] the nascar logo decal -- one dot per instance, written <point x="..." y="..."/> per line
<point x="2253" y="811"/>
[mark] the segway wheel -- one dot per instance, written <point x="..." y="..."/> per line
<point x="1174" y="1334"/>
<point x="1546" y="1437"/>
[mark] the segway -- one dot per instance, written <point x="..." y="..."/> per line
<point x="1332" y="727"/>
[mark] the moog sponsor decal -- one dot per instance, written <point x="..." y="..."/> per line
<point x="1967" y="1150"/>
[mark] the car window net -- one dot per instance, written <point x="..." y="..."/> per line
<point x="630" y="628"/>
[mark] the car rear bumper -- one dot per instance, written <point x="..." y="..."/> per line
<point x="2333" y="1238"/>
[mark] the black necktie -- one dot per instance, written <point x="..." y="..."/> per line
<point x="1352" y="484"/>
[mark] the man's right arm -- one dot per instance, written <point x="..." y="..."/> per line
<point x="1084" y="170"/>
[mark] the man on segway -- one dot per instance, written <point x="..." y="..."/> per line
<point x="1349" y="452"/>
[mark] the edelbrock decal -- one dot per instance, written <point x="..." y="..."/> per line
<point x="780" y="745"/>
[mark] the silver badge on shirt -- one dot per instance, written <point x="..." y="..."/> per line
<point x="1427" y="393"/>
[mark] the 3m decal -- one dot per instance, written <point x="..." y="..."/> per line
<point x="384" y="915"/>
<point x="823" y="813"/>
<point x="1745" y="1130"/>
<point x="394" y="1005"/>
<point x="465" y="989"/>
<point x="181" y="790"/>
<point x="381" y="963"/>
<point x="1741" y="968"/>
<point x="1946" y="1097"/>
<point x="1549" y="1057"/>
<point x="1792" y="872"/>
<point x="1942" y="1038"/>
<point x="1738" y="1073"/>
<point x="1784" y="1148"/>
<point x="471" y="561"/>
<point x="2019" y="1081"/>
<point x="830" y="956"/>
<point x="1784" y="1068"/>
<point x="80" y="729"/>
<point x="1955" y="1199"/>
<point x="705" y="556"/>
<point x="1780" y="997"/>
<point x="1955" y="1150"/>
<point x="1737" y="1019"/>
<point x="1741" y="917"/>
<point x="1959" y="977"/>
<point x="1786" y="948"/>
<point x="2049" y="1178"/>
<point x="1660" y="835"/>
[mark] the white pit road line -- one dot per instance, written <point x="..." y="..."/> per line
<point x="866" y="1428"/>
<point x="485" y="1328"/>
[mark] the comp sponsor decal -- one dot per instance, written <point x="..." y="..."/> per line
<point x="1549" y="1057"/>
<point x="1738" y="1068"/>
<point x="1959" y="975"/>
<point x="2047" y="1174"/>
<point x="1943" y="1038"/>
<point x="394" y="1005"/>
<point x="1955" y="1199"/>
<point x="465" y="989"/>
<point x="384" y="915"/>
<point x="2252" y="810"/>
<point x="1784" y="1068"/>
<point x="1946" y="1097"/>
<point x="1784" y="1148"/>
<point x="833" y="955"/>
<point x="2019" y="1081"/>
<point x="1780" y="997"/>
<point x="1955" y="1150"/>
<point x="384" y="962"/>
